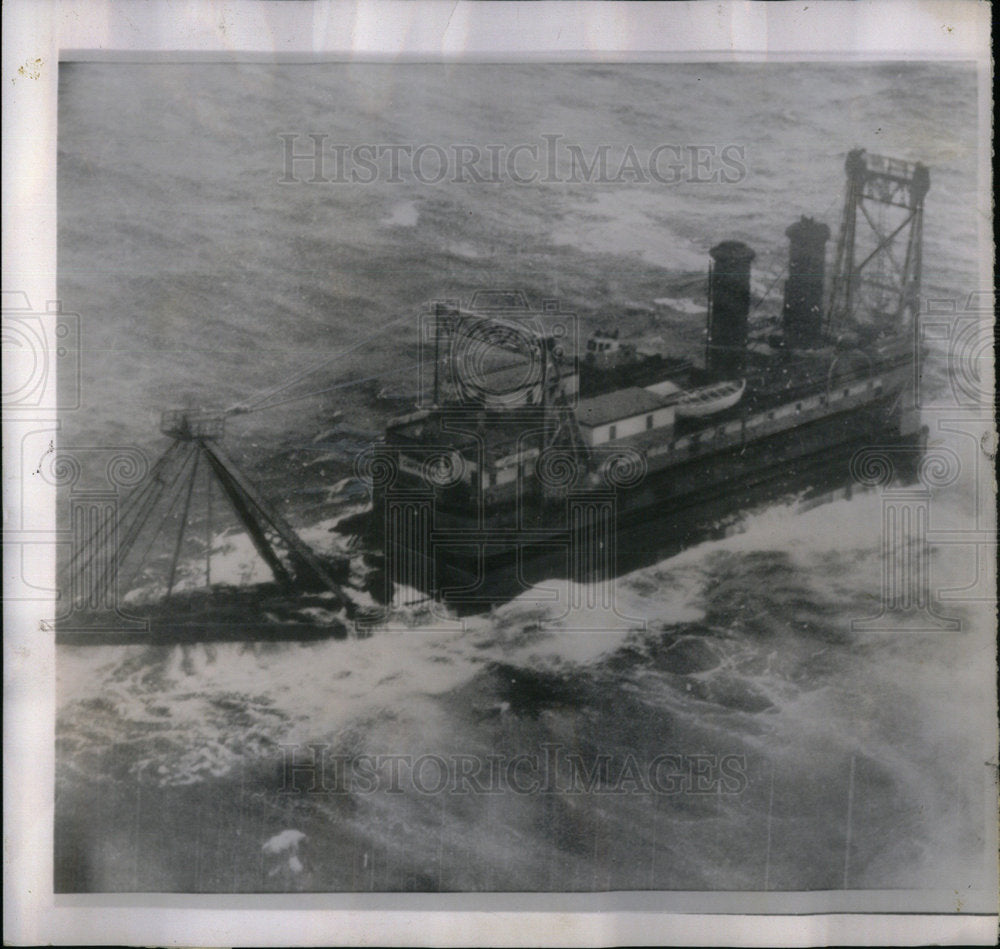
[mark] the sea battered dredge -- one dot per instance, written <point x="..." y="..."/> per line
<point x="525" y="448"/>
<point x="521" y="445"/>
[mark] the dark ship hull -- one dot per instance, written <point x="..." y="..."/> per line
<point x="642" y="537"/>
<point x="588" y="536"/>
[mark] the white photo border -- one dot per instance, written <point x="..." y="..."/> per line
<point x="38" y="36"/>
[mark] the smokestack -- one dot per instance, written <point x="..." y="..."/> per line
<point x="728" y="308"/>
<point x="802" y="319"/>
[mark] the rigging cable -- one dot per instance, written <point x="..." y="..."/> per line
<point x="341" y="385"/>
<point x="244" y="407"/>
<point x="101" y="534"/>
<point x="183" y="525"/>
<point x="163" y="520"/>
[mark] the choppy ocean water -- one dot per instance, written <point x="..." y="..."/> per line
<point x="199" y="275"/>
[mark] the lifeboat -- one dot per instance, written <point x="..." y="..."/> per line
<point x="710" y="399"/>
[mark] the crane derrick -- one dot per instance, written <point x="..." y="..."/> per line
<point x="499" y="354"/>
<point x="195" y="451"/>
<point x="878" y="259"/>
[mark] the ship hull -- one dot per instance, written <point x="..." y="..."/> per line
<point x="473" y="559"/>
